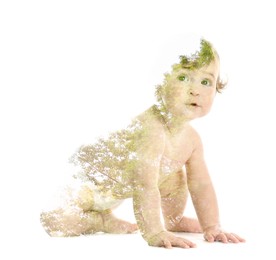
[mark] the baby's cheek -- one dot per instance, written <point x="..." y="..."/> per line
<point x="207" y="106"/>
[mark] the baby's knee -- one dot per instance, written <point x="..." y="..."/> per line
<point x="85" y="198"/>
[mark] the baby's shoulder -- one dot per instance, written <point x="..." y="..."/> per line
<point x="192" y="131"/>
<point x="150" y="120"/>
<point x="191" y="134"/>
<point x="195" y="139"/>
<point x="148" y="129"/>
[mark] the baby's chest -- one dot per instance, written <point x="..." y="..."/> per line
<point x="174" y="158"/>
<point x="178" y="149"/>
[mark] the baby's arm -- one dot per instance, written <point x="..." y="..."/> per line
<point x="146" y="196"/>
<point x="146" y="200"/>
<point x="147" y="204"/>
<point x="204" y="197"/>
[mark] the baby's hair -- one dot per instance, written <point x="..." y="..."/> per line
<point x="197" y="60"/>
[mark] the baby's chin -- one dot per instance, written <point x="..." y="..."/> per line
<point x="191" y="114"/>
<point x="185" y="116"/>
<point x="187" y="112"/>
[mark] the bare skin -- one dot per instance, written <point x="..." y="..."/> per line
<point x="186" y="100"/>
<point x="173" y="202"/>
<point x="77" y="217"/>
<point x="170" y="165"/>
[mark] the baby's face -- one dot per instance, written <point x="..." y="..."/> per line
<point x="190" y="93"/>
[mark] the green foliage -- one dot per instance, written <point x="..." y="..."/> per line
<point x="110" y="163"/>
<point x="199" y="58"/>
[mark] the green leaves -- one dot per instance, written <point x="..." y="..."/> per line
<point x="200" y="58"/>
<point x="110" y="163"/>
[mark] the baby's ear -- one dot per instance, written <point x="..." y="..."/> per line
<point x="221" y="84"/>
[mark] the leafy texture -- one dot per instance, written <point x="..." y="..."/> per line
<point x="110" y="162"/>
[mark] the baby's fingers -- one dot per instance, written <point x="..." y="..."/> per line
<point x="233" y="238"/>
<point x="183" y="243"/>
<point x="224" y="237"/>
<point x="209" y="237"/>
<point x="168" y="240"/>
<point x="167" y="244"/>
<point x="220" y="237"/>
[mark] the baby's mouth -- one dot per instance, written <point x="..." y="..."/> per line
<point x="193" y="105"/>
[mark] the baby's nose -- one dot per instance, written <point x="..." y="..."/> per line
<point x="194" y="91"/>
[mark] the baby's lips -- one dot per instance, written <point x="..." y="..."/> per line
<point x="193" y="104"/>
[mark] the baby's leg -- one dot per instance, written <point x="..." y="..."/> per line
<point x="104" y="206"/>
<point x="174" y="194"/>
<point x="79" y="217"/>
<point x="71" y="222"/>
<point x="115" y="225"/>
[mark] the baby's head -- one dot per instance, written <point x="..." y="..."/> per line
<point x="198" y="72"/>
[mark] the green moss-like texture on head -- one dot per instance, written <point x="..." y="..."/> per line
<point x="201" y="58"/>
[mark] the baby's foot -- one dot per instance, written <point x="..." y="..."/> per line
<point x="117" y="226"/>
<point x="189" y="225"/>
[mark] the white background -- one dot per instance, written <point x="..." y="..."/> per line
<point x="74" y="70"/>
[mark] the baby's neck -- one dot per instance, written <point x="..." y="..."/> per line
<point x="171" y="122"/>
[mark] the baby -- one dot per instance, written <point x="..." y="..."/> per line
<point x="157" y="160"/>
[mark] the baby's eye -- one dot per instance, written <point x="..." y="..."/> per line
<point x="206" y="82"/>
<point x="183" y="77"/>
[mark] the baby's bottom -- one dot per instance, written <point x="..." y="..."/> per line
<point x="174" y="194"/>
<point x="79" y="218"/>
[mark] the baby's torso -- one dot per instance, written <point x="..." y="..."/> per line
<point x="178" y="150"/>
<point x="111" y="163"/>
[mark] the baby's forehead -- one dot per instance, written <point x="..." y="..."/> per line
<point x="211" y="69"/>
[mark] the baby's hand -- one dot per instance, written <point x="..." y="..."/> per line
<point x="213" y="234"/>
<point x="168" y="240"/>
